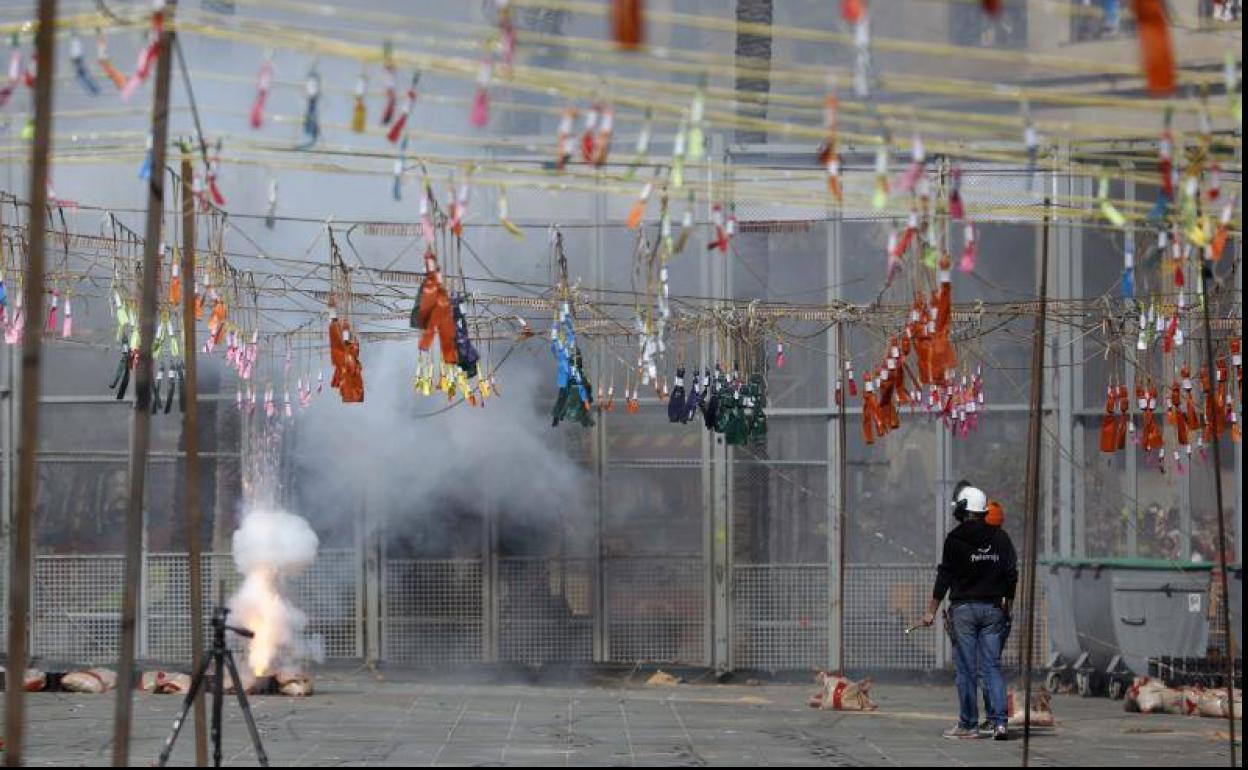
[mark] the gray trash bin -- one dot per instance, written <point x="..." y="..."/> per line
<point x="1107" y="617"/>
<point x="1079" y="597"/>
<point x="1160" y="612"/>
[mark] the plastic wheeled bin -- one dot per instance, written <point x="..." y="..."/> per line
<point x="1079" y="598"/>
<point x="1159" y="611"/>
<point x="1107" y="617"/>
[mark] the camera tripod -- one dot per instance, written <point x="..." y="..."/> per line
<point x="224" y="660"/>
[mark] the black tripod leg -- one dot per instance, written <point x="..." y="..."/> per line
<point x="242" y="704"/>
<point x="196" y="682"/>
<point x="218" y="700"/>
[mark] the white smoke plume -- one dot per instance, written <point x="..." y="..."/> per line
<point x="402" y="456"/>
<point x="270" y="547"/>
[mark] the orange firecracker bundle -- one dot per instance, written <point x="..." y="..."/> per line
<point x="837" y="693"/>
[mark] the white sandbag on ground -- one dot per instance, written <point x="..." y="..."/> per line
<point x="1212" y="703"/>
<point x="1149" y="696"/>
<point x="165" y="682"/>
<point x="1041" y="708"/>
<point x="837" y="693"/>
<point x="34" y="680"/>
<point x="91" y="680"/>
<point x="293" y="685"/>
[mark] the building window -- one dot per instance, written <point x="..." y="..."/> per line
<point x="1222" y="10"/>
<point x="1099" y="20"/>
<point x="970" y="25"/>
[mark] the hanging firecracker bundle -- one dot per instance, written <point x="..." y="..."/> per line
<point x="575" y="397"/>
<point x="344" y="344"/>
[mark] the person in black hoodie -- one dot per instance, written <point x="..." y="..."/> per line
<point x="979" y="571"/>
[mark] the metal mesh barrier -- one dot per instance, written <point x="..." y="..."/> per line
<point x="167" y="606"/>
<point x="656" y="609"/>
<point x="436" y="610"/>
<point x="780" y="616"/>
<point x="880" y="602"/>
<point x="545" y="610"/>
<point x="328" y="592"/>
<point x="77" y="605"/>
<point x="76" y="608"/>
<point x="433" y="611"/>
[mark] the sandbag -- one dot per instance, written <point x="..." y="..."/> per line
<point x="92" y="680"/>
<point x="838" y="693"/>
<point x="165" y="682"/>
<point x="1212" y="703"/>
<point x="293" y="685"/>
<point x="1041" y="709"/>
<point x="34" y="680"/>
<point x="1149" y="696"/>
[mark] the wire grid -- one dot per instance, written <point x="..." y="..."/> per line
<point x="545" y="610"/>
<point x="327" y="592"/>
<point x="1012" y="655"/>
<point x="656" y="609"/>
<point x="433" y="611"/>
<point x="780" y="616"/>
<point x="881" y="601"/>
<point x="166" y="607"/>
<point x="76" y="610"/>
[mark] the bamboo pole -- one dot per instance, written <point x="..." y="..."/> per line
<point x="140" y="436"/>
<point x="22" y="535"/>
<point x="1034" y="434"/>
<point x="190" y="432"/>
<point x="1211" y="418"/>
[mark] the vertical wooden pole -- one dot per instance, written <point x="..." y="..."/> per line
<point x="190" y="432"/>
<point x="22" y="534"/>
<point x="1033" y="497"/>
<point x="140" y="436"/>
<point x="1206" y="284"/>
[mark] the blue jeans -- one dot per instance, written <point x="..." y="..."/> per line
<point x="979" y="630"/>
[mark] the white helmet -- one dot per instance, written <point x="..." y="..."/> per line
<point x="972" y="500"/>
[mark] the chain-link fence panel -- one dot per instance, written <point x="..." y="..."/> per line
<point x="433" y="611"/>
<point x="76" y="608"/>
<point x="545" y="610"/>
<point x="881" y="601"/>
<point x="656" y="609"/>
<point x="780" y="616"/>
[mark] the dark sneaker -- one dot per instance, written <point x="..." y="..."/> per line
<point x="958" y="732"/>
<point x="986" y="728"/>
<point x="1001" y="733"/>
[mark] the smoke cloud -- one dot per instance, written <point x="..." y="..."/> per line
<point x="406" y="458"/>
<point x="270" y="547"/>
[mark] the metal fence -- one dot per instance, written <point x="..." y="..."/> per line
<point x="76" y="605"/>
<point x="545" y="610"/>
<point x="524" y="610"/>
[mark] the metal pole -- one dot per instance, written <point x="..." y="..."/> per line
<point x="140" y="437"/>
<point x="842" y="498"/>
<point x="22" y="535"/>
<point x="190" y="432"/>
<point x="1034" y="434"/>
<point x="1211" y="417"/>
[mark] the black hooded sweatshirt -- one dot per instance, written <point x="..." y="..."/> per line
<point x="978" y="564"/>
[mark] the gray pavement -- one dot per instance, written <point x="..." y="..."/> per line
<point x="361" y="719"/>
